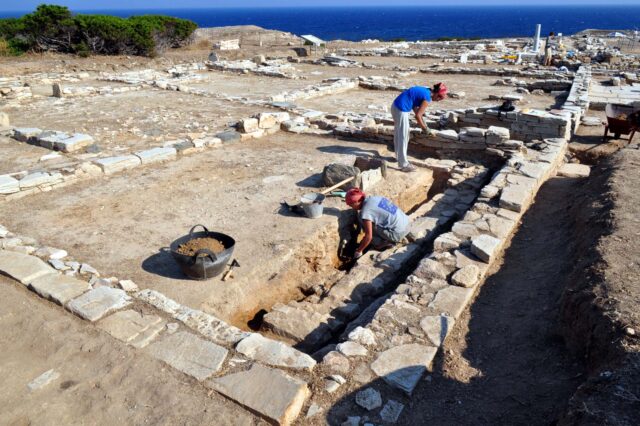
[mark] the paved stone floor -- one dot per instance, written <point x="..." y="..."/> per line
<point x="96" y="379"/>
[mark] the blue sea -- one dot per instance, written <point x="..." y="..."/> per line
<point x="409" y="23"/>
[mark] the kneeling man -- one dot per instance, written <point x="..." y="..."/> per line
<point x="383" y="222"/>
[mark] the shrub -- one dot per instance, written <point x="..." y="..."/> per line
<point x="55" y="28"/>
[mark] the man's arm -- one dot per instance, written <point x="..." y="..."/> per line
<point x="368" y="237"/>
<point x="419" y="113"/>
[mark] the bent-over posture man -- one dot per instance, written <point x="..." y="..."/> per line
<point x="383" y="222"/>
<point x="414" y="99"/>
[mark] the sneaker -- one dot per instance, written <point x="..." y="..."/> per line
<point x="408" y="169"/>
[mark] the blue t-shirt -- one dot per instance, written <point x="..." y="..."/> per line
<point x="412" y="98"/>
<point x="383" y="213"/>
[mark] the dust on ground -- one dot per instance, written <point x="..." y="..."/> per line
<point x="102" y="381"/>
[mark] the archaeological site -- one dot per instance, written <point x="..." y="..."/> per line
<point x="175" y="246"/>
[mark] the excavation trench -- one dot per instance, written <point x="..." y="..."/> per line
<point x="337" y="291"/>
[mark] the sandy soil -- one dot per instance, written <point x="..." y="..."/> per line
<point x="120" y="225"/>
<point x="130" y="120"/>
<point x="476" y="88"/>
<point x="589" y="146"/>
<point x="102" y="381"/>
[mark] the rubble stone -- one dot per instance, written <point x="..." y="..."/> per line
<point x="369" y="399"/>
<point x="274" y="353"/>
<point x="402" y="366"/>
<point x="98" y="302"/>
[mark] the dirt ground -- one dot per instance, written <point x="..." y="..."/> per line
<point x="102" y="381"/>
<point x="477" y="90"/>
<point x="589" y="146"/>
<point x="505" y="362"/>
<point x="131" y="120"/>
<point x="600" y="313"/>
<point x="122" y="225"/>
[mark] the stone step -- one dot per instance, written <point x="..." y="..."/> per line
<point x="23" y="267"/>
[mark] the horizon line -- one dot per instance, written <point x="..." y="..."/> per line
<point x="425" y="6"/>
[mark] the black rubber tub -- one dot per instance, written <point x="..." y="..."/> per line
<point x="204" y="264"/>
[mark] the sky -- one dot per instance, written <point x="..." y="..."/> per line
<point x="27" y="5"/>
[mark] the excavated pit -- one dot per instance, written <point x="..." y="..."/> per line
<point x="341" y="294"/>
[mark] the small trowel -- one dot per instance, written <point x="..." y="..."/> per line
<point x="229" y="273"/>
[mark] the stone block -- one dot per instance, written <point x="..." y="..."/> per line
<point x="158" y="154"/>
<point x="391" y="411"/>
<point x="128" y="325"/>
<point x="248" y="125"/>
<point x="23" y="267"/>
<point x="437" y="328"/>
<point x="466" y="276"/>
<point x="485" y="247"/>
<point x="271" y="393"/>
<point x="274" y="353"/>
<point x="515" y="198"/>
<point x="4" y="120"/>
<point x="59" y="288"/>
<point x="571" y="170"/>
<point x="304" y="327"/>
<point x="8" y="184"/>
<point x="451" y="300"/>
<point x="98" y="302"/>
<point x="74" y="143"/>
<point x="403" y="366"/>
<point x="34" y="179"/>
<point x="228" y="136"/>
<point x="189" y="354"/>
<point x="369" y="399"/>
<point x="112" y="165"/>
<point x="351" y="349"/>
<point x="25" y="134"/>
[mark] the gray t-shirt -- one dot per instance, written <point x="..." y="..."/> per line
<point x="383" y="213"/>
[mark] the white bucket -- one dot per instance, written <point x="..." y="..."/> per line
<point x="312" y="204"/>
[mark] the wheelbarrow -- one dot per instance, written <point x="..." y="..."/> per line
<point x="204" y="263"/>
<point x="621" y="120"/>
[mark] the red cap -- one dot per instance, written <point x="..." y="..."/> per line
<point x="353" y="196"/>
<point x="442" y="89"/>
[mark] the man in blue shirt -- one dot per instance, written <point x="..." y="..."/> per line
<point x="414" y="99"/>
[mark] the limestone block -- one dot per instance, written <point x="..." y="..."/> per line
<point x="128" y="325"/>
<point x="271" y="393"/>
<point x="485" y="247"/>
<point x="369" y="399"/>
<point x="466" y="276"/>
<point x="4" y="120"/>
<point x="24" y="134"/>
<point x="9" y="185"/>
<point x="452" y="300"/>
<point x="189" y="354"/>
<point x="515" y="198"/>
<point x="403" y="366"/>
<point x="302" y="326"/>
<point x="571" y="170"/>
<point x="34" y="179"/>
<point x="437" y="328"/>
<point x="464" y="230"/>
<point x="446" y="242"/>
<point x="59" y="288"/>
<point x="98" y="302"/>
<point x="274" y="353"/>
<point x="23" y="267"/>
<point x="364" y="336"/>
<point x="370" y="178"/>
<point x="248" y="125"/>
<point x="158" y="154"/>
<point x="267" y="120"/>
<point x="391" y="411"/>
<point x="431" y="269"/>
<point x="74" y="143"/>
<point x="112" y="165"/>
<point x="351" y="349"/>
